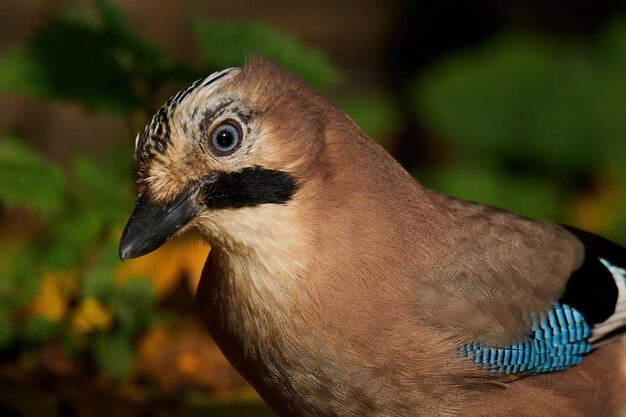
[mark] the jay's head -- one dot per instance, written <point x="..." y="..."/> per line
<point x="228" y="144"/>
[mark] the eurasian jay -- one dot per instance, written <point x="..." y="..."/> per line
<point x="339" y="286"/>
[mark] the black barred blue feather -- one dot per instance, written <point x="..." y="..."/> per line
<point x="555" y="342"/>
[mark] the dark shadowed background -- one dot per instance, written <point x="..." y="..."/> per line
<point x="519" y="104"/>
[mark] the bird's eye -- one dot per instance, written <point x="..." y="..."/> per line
<point x="225" y="137"/>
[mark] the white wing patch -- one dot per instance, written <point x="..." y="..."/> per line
<point x="618" y="319"/>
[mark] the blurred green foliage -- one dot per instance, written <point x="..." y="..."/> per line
<point x="525" y="119"/>
<point x="376" y="112"/>
<point x="40" y="184"/>
<point x="96" y="70"/>
<point x="243" y="39"/>
<point x="539" y="101"/>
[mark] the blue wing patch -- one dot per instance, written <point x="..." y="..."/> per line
<point x="555" y="342"/>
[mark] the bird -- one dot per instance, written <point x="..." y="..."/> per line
<point x="338" y="285"/>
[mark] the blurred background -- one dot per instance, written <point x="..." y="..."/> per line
<point x="519" y="104"/>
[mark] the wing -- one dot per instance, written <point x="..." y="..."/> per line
<point x="525" y="296"/>
<point x="591" y="310"/>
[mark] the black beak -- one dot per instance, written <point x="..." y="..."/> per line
<point x="152" y="224"/>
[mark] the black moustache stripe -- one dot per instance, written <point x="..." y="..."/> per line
<point x="248" y="188"/>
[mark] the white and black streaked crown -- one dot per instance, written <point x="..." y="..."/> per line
<point x="156" y="136"/>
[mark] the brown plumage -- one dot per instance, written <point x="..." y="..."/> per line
<point x="338" y="285"/>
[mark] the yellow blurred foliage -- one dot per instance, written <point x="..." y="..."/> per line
<point x="188" y="363"/>
<point x="166" y="266"/>
<point x="55" y="290"/>
<point x="598" y="210"/>
<point x="91" y="315"/>
<point x="183" y="354"/>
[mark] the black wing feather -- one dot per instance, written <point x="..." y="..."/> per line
<point x="592" y="289"/>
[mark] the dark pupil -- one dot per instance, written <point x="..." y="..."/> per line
<point x="225" y="139"/>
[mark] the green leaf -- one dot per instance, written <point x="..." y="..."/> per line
<point x="19" y="275"/>
<point x="70" y="61"/>
<point x="227" y="44"/>
<point x="75" y="58"/>
<point x="7" y="329"/>
<point x="98" y="279"/>
<point x="72" y="236"/>
<point x="550" y="103"/>
<point x="101" y="199"/>
<point x="617" y="230"/>
<point x="113" y="353"/>
<point x="376" y="113"/>
<point x="133" y="305"/>
<point x="610" y="94"/>
<point x="38" y="330"/>
<point x="27" y="180"/>
<point x="613" y="42"/>
<point x="105" y="186"/>
<point x="133" y="52"/>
